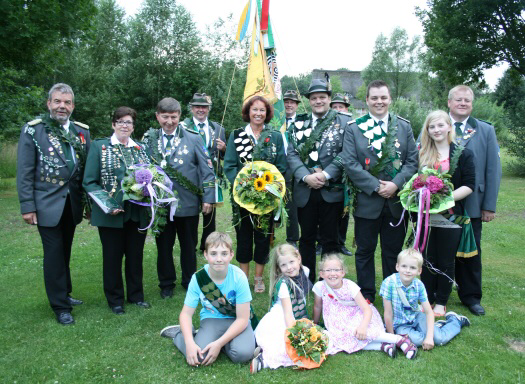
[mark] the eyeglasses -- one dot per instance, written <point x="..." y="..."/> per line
<point x="332" y="270"/>
<point x="122" y="123"/>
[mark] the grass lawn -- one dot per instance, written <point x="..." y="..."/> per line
<point x="103" y="347"/>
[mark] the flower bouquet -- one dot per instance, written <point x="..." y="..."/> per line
<point x="431" y="183"/>
<point x="148" y="185"/>
<point x="306" y="344"/>
<point x="428" y="191"/>
<point x="260" y="189"/>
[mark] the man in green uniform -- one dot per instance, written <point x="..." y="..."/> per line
<point x="50" y="164"/>
<point x="184" y="158"/>
<point x="213" y="136"/>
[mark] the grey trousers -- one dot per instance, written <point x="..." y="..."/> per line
<point x="239" y="349"/>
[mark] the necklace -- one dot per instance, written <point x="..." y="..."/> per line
<point x="256" y="134"/>
<point x="122" y="155"/>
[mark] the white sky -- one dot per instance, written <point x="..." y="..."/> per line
<point x="327" y="34"/>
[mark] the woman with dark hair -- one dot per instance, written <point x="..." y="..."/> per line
<point x="256" y="141"/>
<point x="118" y="224"/>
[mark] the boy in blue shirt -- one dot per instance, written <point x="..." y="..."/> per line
<point x="402" y="292"/>
<point x="224" y="293"/>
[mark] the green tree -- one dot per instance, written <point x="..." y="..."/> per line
<point x="224" y="72"/>
<point x="337" y="86"/>
<point x="464" y="37"/>
<point x="413" y="111"/>
<point x="35" y="37"/>
<point x="18" y="103"/>
<point x="300" y="82"/>
<point x="33" y="34"/>
<point x="396" y="61"/>
<point x="98" y="74"/>
<point x="164" y="58"/>
<point x="510" y="94"/>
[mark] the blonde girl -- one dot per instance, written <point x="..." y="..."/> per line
<point x="439" y="151"/>
<point x="289" y="286"/>
<point x="353" y="323"/>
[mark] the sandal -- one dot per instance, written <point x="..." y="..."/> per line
<point x="389" y="349"/>
<point x="406" y="346"/>
<point x="259" y="284"/>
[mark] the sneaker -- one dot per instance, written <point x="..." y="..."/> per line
<point x="463" y="320"/>
<point x="170" y="331"/>
<point x="257" y="362"/>
<point x="440" y="323"/>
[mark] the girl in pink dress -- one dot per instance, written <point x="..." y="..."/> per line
<point x="352" y="323"/>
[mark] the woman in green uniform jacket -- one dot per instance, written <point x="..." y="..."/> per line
<point x="118" y="224"/>
<point x="254" y="142"/>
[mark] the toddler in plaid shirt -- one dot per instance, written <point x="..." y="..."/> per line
<point x="407" y="310"/>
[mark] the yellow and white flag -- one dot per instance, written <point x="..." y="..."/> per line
<point x="258" y="79"/>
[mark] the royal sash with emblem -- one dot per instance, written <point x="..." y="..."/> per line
<point x="214" y="295"/>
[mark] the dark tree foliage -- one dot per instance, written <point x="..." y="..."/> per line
<point x="300" y="82"/>
<point x="510" y="93"/>
<point x="464" y="37"/>
<point x="34" y="33"/>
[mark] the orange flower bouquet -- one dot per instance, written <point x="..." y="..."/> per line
<point x="306" y="344"/>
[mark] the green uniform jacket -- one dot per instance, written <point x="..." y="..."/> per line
<point x="105" y="169"/>
<point x="43" y="178"/>
<point x="271" y="151"/>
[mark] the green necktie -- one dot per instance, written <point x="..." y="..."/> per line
<point x="459" y="132"/>
<point x="380" y="123"/>
<point x="202" y="133"/>
<point x="68" y="154"/>
<point x="168" y="143"/>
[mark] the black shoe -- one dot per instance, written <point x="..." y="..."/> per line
<point x="142" y="304"/>
<point x="477" y="309"/>
<point x="345" y="251"/>
<point x="318" y="249"/>
<point x="166" y="292"/>
<point x="73" y="301"/>
<point x="118" y="310"/>
<point x="65" y="318"/>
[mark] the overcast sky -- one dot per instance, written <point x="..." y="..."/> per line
<point x="328" y="34"/>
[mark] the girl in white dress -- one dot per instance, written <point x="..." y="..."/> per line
<point x="289" y="286"/>
<point x="352" y="323"/>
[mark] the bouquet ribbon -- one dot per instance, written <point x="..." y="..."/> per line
<point x="424" y="210"/>
<point x="155" y="201"/>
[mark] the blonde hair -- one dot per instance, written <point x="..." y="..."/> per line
<point x="332" y="257"/>
<point x="459" y="88"/>
<point x="413" y="253"/>
<point x="216" y="239"/>
<point x="428" y="153"/>
<point x="275" y="271"/>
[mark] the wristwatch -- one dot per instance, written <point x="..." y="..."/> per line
<point x="377" y="188"/>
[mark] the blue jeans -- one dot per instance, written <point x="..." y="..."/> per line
<point x="417" y="330"/>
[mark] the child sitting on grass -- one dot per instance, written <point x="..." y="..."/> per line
<point x="352" y="323"/>
<point x="224" y="294"/>
<point x="402" y="292"/>
<point x="290" y="285"/>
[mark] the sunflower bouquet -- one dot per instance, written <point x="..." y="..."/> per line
<point x="260" y="189"/>
<point x="306" y="344"/>
<point x="148" y="185"/>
